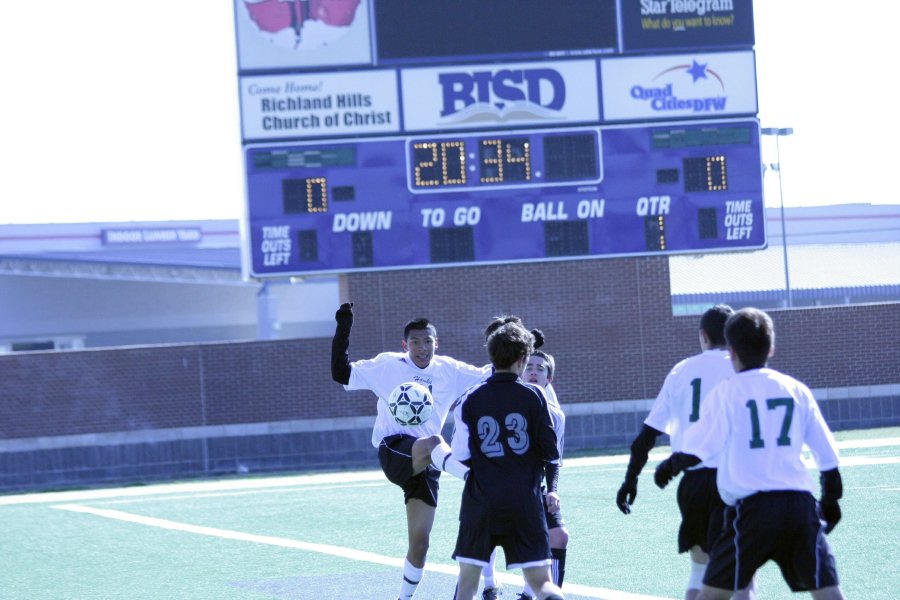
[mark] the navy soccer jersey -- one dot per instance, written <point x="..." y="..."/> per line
<point x="504" y="428"/>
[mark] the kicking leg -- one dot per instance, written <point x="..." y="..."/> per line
<point x="434" y="450"/>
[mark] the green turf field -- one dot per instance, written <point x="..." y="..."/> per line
<point x="342" y="535"/>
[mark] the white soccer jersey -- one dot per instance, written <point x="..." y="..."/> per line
<point x="677" y="407"/>
<point x="446" y="377"/>
<point x="760" y="420"/>
<point x="557" y="417"/>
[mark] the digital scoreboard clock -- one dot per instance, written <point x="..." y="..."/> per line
<point x="348" y="205"/>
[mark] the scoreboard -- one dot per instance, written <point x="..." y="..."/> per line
<point x="496" y="146"/>
<point x="505" y="196"/>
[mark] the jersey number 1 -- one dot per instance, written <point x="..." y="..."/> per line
<point x="695" y="400"/>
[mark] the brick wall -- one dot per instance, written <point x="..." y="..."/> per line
<point x="608" y="323"/>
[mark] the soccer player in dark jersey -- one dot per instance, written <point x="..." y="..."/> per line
<point x="492" y="589"/>
<point x="758" y="423"/>
<point x="503" y="429"/>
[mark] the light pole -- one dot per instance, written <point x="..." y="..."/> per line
<point x="778" y="133"/>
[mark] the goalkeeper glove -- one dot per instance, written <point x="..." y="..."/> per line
<point x="672" y="466"/>
<point x="832" y="490"/>
<point x="344" y="317"/>
<point x="627" y="494"/>
<point x="831" y="512"/>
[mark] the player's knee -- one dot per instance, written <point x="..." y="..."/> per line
<point x="425" y="445"/>
<point x="698" y="555"/>
<point x="418" y="546"/>
<point x="559" y="537"/>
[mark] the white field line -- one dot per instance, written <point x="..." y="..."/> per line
<point x="200" y="487"/>
<point x="350" y="553"/>
<point x="260" y="490"/>
<point x="848" y="461"/>
<point x="869" y="443"/>
<point x="253" y="483"/>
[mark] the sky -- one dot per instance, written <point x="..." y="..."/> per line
<point x="116" y="111"/>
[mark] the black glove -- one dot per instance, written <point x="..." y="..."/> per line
<point x="627" y="494"/>
<point x="665" y="473"/>
<point x="832" y="491"/>
<point x="672" y="466"/>
<point x="344" y="317"/>
<point x="538" y="338"/>
<point x="831" y="512"/>
<point x="340" y="355"/>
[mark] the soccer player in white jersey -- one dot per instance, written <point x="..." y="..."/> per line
<point x="675" y="411"/>
<point x="758" y="422"/>
<point x="503" y="430"/>
<point x="411" y="456"/>
<point x="539" y="371"/>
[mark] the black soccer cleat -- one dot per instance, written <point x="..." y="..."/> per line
<point x="491" y="593"/>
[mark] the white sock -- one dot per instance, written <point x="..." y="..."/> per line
<point x="695" y="581"/>
<point x="443" y="459"/>
<point x="488" y="571"/>
<point x="411" y="578"/>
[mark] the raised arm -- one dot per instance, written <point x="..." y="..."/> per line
<point x="340" y="345"/>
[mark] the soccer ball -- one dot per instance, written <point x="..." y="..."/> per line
<point x="410" y="403"/>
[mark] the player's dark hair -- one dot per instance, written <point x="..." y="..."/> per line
<point x="751" y="334"/>
<point x="713" y="323"/>
<point x="497" y="322"/>
<point x="509" y="343"/>
<point x="551" y="363"/>
<point x="416" y="324"/>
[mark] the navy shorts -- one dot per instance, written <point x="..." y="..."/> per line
<point x="701" y="510"/>
<point x="525" y="540"/>
<point x="783" y="526"/>
<point x="395" y="456"/>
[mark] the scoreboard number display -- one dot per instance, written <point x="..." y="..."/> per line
<point x="338" y="206"/>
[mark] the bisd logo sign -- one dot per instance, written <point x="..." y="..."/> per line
<point x="513" y="93"/>
<point x="535" y="90"/>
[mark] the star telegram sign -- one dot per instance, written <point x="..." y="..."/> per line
<point x="679" y="86"/>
